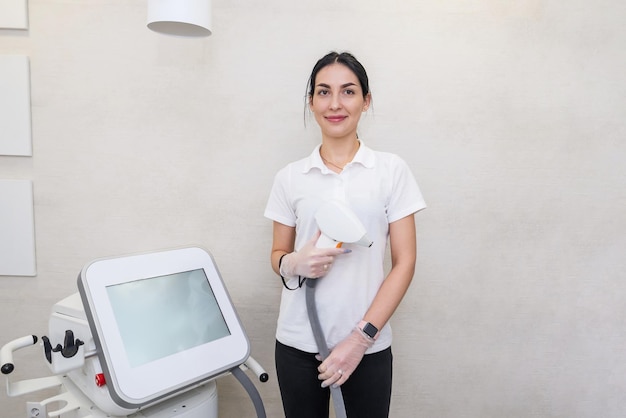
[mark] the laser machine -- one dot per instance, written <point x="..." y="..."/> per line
<point x="145" y="336"/>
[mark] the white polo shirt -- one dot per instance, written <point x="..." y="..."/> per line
<point x="380" y="188"/>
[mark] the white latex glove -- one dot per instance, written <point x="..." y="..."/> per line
<point x="310" y="261"/>
<point x="344" y="359"/>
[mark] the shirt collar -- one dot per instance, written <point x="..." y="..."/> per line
<point x="364" y="156"/>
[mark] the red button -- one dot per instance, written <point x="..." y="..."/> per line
<point x="100" y="380"/>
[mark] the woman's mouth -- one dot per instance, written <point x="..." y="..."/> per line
<point x="335" y="118"/>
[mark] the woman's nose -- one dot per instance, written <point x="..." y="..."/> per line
<point x="335" y="102"/>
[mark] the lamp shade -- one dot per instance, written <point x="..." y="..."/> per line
<point x="180" y="17"/>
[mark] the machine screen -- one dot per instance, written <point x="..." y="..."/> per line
<point x="164" y="315"/>
<point x="161" y="323"/>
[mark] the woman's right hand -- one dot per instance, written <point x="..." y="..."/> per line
<point x="310" y="261"/>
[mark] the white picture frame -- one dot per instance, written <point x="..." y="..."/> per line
<point x="13" y="14"/>
<point x="15" y="110"/>
<point x="17" y="229"/>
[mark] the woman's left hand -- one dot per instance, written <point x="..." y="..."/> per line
<point x="344" y="358"/>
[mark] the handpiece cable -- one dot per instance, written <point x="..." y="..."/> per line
<point x="318" y="334"/>
<point x="252" y="391"/>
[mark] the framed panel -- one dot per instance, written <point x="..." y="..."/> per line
<point x="13" y="14"/>
<point x="17" y="228"/>
<point x="15" y="120"/>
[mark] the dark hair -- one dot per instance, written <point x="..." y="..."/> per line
<point x="346" y="59"/>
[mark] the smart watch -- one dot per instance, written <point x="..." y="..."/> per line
<point x="368" y="329"/>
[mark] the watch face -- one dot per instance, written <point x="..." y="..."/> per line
<point x="370" y="330"/>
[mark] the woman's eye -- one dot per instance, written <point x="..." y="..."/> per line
<point x="349" y="92"/>
<point x="322" y="92"/>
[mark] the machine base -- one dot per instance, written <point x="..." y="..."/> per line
<point x="200" y="402"/>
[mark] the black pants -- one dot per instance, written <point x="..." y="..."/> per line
<point x="366" y="394"/>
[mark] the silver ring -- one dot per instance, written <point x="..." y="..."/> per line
<point x="325" y="266"/>
<point x="340" y="372"/>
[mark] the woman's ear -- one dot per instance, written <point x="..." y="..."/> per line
<point x="368" y="100"/>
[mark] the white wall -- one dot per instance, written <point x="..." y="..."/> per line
<point x="511" y="115"/>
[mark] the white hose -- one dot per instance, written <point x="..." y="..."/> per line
<point x="318" y="333"/>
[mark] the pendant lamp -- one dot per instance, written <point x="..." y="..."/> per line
<point x="180" y="17"/>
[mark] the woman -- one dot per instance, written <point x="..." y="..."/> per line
<point x="354" y="296"/>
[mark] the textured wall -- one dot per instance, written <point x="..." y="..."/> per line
<point x="511" y="115"/>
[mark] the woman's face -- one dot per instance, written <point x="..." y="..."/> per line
<point x="337" y="101"/>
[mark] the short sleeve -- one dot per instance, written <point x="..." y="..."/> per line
<point x="406" y="196"/>
<point x="279" y="206"/>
